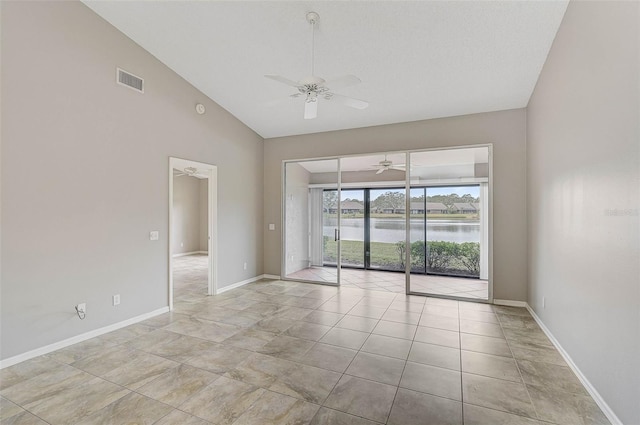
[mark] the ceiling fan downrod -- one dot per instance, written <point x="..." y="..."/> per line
<point x="312" y="18"/>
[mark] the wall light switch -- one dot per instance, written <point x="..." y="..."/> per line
<point x="154" y="235"/>
<point x="272" y="226"/>
<point x="116" y="299"/>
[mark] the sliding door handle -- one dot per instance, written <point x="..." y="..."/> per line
<point x="336" y="235"/>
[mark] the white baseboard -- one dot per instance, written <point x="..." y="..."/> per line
<point x="184" y="254"/>
<point x="242" y="283"/>
<point x="271" y="276"/>
<point x="79" y="338"/>
<point x="510" y="303"/>
<point x="590" y="388"/>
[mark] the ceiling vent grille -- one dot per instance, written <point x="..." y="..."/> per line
<point x="127" y="79"/>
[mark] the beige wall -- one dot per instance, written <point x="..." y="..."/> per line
<point x="186" y="215"/>
<point x="85" y="175"/>
<point x="583" y="148"/>
<point x="505" y="129"/>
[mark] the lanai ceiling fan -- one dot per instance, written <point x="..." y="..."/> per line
<point x="191" y="172"/>
<point x="313" y="87"/>
<point x="386" y="164"/>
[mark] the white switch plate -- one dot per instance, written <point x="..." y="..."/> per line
<point x="116" y="299"/>
<point x="244" y="267"/>
<point x="272" y="226"/>
<point x="154" y="235"/>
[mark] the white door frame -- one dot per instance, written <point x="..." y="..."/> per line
<point x="212" y="171"/>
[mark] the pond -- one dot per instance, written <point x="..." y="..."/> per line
<point x="391" y="230"/>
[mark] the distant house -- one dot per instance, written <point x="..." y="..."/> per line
<point x="436" y="208"/>
<point x="391" y="210"/>
<point x="464" y="208"/>
<point x="351" y="207"/>
<point x="417" y="208"/>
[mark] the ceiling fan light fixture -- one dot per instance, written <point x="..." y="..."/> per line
<point x="313" y="86"/>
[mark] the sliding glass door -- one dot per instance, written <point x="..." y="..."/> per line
<point x="449" y="256"/>
<point x="352" y="227"/>
<point x="362" y="221"/>
<point x="311" y="221"/>
<point x="387" y="225"/>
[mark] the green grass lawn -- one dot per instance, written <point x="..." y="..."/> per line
<point x="383" y="255"/>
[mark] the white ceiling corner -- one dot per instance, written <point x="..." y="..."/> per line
<point x="416" y="60"/>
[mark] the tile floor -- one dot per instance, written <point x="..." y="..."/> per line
<point x="395" y="282"/>
<point x="278" y="352"/>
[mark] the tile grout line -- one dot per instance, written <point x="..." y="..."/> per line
<point x="203" y="303"/>
<point x="403" y="367"/>
<point x="535" y="411"/>
<point x="461" y="371"/>
<point x="354" y="357"/>
<point x="370" y="333"/>
<point x="26" y="410"/>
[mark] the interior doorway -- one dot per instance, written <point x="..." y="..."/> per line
<point x="192" y="229"/>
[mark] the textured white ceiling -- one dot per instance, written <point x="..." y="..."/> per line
<point x="416" y="60"/>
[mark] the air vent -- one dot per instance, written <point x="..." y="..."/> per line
<point x="127" y="79"/>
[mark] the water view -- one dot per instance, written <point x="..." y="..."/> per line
<point x="391" y="230"/>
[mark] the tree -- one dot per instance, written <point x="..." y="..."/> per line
<point x="452" y="198"/>
<point x="469" y="199"/>
<point x="330" y="199"/>
<point x="389" y="200"/>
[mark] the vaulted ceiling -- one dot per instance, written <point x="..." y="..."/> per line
<point x="416" y="60"/>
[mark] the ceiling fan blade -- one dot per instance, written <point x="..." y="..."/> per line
<point x="398" y="167"/>
<point x="310" y="110"/>
<point x="341" y="82"/>
<point x="283" y="80"/>
<point x="380" y="171"/>
<point x="276" y="102"/>
<point x="349" y="101"/>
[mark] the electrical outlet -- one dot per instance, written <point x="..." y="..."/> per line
<point x="154" y="235"/>
<point x="544" y="302"/>
<point x="244" y="267"/>
<point x="181" y="244"/>
<point x="116" y="299"/>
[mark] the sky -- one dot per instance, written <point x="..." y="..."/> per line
<point x="431" y="191"/>
<point x="460" y="190"/>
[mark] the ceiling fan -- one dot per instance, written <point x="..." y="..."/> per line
<point x="386" y="164"/>
<point x="313" y="88"/>
<point x="190" y="172"/>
